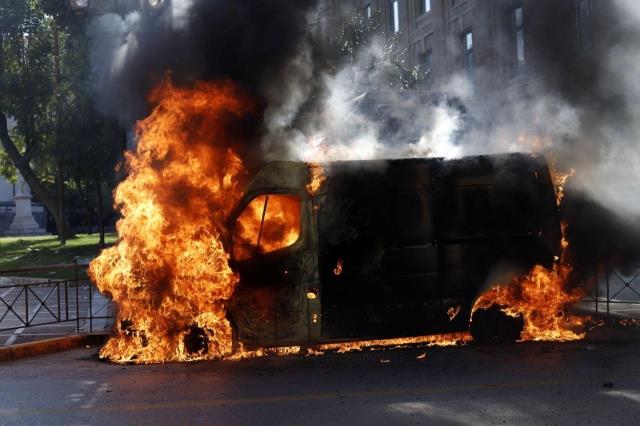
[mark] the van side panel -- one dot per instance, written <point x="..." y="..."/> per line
<point x="416" y="238"/>
<point x="376" y="220"/>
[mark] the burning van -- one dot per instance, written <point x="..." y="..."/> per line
<point x="380" y="249"/>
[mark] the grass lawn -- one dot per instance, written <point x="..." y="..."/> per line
<point x="25" y="252"/>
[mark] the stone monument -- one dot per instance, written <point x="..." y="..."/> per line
<point x="24" y="223"/>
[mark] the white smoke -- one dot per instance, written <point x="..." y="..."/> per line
<point x="116" y="41"/>
<point x="365" y="116"/>
<point x="180" y="12"/>
<point x="614" y="135"/>
<point x="113" y="41"/>
<point x="603" y="146"/>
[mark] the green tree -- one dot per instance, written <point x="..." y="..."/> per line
<point x="92" y="163"/>
<point x="45" y="87"/>
<point x="356" y="32"/>
<point x="26" y="93"/>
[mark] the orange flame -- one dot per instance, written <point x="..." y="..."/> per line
<point x="316" y="177"/>
<point x="540" y="297"/>
<point x="169" y="273"/>
<point x="337" y="271"/>
<point x="269" y="223"/>
<point x="438" y="340"/>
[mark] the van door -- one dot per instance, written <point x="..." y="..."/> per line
<point x="378" y="262"/>
<point x="270" y="253"/>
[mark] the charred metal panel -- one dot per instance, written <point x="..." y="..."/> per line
<point x="279" y="176"/>
<point x="413" y="233"/>
<point x="378" y="219"/>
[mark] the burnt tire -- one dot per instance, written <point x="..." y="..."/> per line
<point x="494" y="326"/>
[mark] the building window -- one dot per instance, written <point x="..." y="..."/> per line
<point x="395" y="16"/>
<point x="518" y="26"/>
<point x="427" y="64"/>
<point x="424" y="6"/>
<point x="367" y="11"/>
<point x="584" y="13"/>
<point x="469" y="60"/>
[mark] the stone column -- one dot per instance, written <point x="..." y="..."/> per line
<point x="24" y="223"/>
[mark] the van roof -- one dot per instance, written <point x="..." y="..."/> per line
<point x="294" y="175"/>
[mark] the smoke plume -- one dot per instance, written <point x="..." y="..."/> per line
<point x="581" y="110"/>
<point x="258" y="45"/>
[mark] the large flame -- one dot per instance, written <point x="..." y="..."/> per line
<point x="541" y="298"/>
<point x="169" y="273"/>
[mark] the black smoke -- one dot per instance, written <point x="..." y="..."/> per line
<point x="582" y="94"/>
<point x="248" y="42"/>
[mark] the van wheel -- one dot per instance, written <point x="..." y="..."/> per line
<point x="494" y="326"/>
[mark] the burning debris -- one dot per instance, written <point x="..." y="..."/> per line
<point x="442" y="340"/>
<point x="437" y="340"/>
<point x="453" y="312"/>
<point x="629" y="322"/>
<point x="337" y="271"/>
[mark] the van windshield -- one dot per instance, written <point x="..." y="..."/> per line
<point x="268" y="223"/>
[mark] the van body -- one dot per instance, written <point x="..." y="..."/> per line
<point x="391" y="248"/>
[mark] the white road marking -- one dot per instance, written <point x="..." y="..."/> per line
<point x="97" y="394"/>
<point x="19" y="331"/>
<point x="13" y="337"/>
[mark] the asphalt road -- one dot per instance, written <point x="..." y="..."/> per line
<point x="578" y="383"/>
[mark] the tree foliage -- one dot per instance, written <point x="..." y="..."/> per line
<point x="45" y="86"/>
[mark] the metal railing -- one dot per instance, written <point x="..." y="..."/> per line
<point x="76" y="301"/>
<point x="47" y="301"/>
<point x="617" y="291"/>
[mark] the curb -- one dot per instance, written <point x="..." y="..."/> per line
<point x="49" y="346"/>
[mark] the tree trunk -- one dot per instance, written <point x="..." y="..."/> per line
<point x="32" y="180"/>
<point x="100" y="213"/>
<point x="86" y="201"/>
<point x="62" y="232"/>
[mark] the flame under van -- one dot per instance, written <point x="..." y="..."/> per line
<point x="383" y="248"/>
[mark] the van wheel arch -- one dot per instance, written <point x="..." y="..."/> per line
<point x="494" y="326"/>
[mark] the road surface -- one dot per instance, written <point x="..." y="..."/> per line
<point x="577" y="383"/>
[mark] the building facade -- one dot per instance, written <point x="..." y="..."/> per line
<point x="504" y="47"/>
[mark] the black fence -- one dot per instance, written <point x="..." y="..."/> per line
<point x="47" y="301"/>
<point x="616" y="291"/>
<point x="76" y="301"/>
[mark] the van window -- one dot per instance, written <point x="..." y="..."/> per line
<point x="269" y="223"/>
